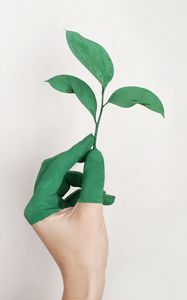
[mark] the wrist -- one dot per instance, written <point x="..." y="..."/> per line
<point x="83" y="287"/>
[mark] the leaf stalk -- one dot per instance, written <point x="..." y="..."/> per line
<point x="99" y="118"/>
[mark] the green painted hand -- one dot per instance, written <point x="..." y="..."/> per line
<point x="55" y="179"/>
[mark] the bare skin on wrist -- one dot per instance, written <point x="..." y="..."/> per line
<point x="84" y="288"/>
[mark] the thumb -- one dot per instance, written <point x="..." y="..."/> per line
<point x="93" y="178"/>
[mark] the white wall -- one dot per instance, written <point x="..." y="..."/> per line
<point x="145" y="155"/>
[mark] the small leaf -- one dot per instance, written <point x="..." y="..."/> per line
<point x="72" y="84"/>
<point x="131" y="95"/>
<point x="92" y="55"/>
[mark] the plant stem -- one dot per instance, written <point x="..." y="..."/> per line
<point x="99" y="118"/>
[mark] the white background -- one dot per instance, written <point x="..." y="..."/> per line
<point x="145" y="155"/>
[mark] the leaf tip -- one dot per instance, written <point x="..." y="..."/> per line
<point x="67" y="31"/>
<point x="163" y="112"/>
<point x="46" y="80"/>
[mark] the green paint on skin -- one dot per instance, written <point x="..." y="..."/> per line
<point x="55" y="179"/>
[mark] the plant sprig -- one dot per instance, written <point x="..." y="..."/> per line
<point x="96" y="59"/>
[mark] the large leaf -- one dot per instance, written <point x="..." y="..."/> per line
<point x="72" y="84"/>
<point x="131" y="95"/>
<point x="92" y="55"/>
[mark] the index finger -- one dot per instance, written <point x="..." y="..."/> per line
<point x="52" y="178"/>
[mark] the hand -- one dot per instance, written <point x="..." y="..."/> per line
<point x="73" y="229"/>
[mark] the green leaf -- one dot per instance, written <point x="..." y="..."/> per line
<point x="72" y="84"/>
<point x="92" y="55"/>
<point x="131" y="95"/>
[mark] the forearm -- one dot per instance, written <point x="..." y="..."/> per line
<point x="83" y="287"/>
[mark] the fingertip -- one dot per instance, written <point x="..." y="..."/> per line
<point x="89" y="139"/>
<point x="95" y="155"/>
<point x="108" y="199"/>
